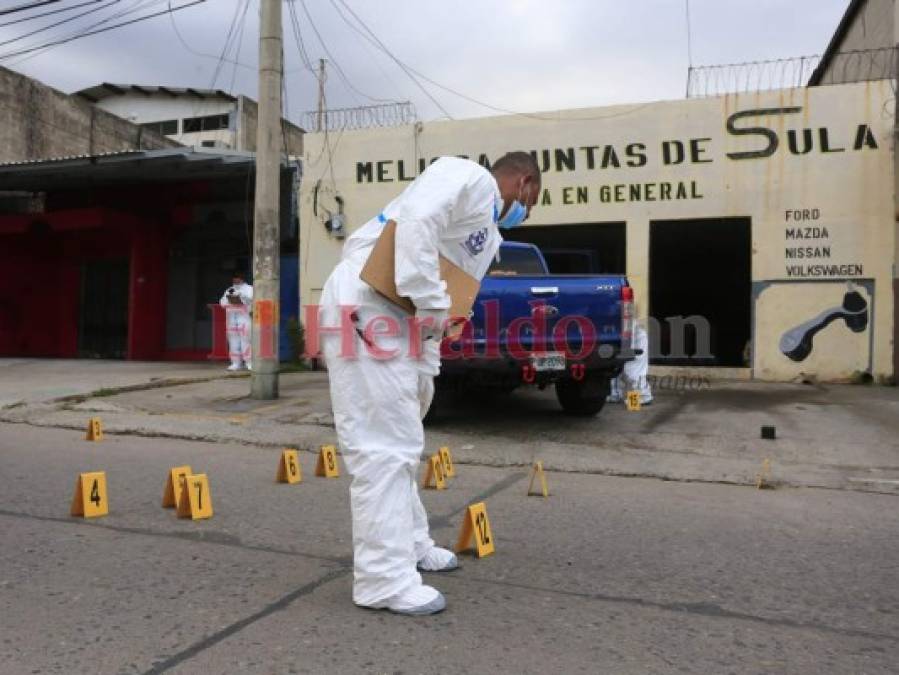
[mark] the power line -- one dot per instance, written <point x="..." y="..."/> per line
<point x="340" y="71"/>
<point x="184" y="43"/>
<point x="98" y="31"/>
<point x="42" y="48"/>
<point x="298" y="38"/>
<point x="69" y="19"/>
<point x="243" y="23"/>
<point x="30" y="5"/>
<point x="226" y="46"/>
<point x="201" y="54"/>
<point x="228" y="39"/>
<point x="368" y="50"/>
<point x="412" y="71"/>
<point x="50" y="13"/>
<point x="402" y="66"/>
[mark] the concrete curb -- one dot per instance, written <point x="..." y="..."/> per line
<point x="643" y="462"/>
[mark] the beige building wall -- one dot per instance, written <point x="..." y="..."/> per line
<point x="873" y="25"/>
<point x="822" y="156"/>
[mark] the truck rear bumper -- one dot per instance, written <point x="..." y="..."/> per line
<point x="513" y="371"/>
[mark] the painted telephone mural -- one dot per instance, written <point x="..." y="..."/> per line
<point x="820" y="329"/>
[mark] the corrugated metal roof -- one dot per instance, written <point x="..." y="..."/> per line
<point x="68" y="158"/>
<point x="108" y="89"/>
<point x="129" y="166"/>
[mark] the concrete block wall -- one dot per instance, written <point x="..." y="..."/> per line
<point x="39" y="122"/>
<point x="249" y="121"/>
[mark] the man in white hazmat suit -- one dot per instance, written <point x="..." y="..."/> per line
<point x="452" y="209"/>
<point x="237" y="300"/>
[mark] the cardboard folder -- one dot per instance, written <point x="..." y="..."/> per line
<point x="379" y="273"/>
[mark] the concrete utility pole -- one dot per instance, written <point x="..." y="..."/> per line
<point x="321" y="94"/>
<point x="266" y="213"/>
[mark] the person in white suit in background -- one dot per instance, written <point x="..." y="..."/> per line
<point x="237" y="301"/>
<point x="635" y="374"/>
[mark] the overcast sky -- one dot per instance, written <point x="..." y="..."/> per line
<point x="523" y="55"/>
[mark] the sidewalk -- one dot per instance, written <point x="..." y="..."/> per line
<point x="41" y="380"/>
<point x="837" y="436"/>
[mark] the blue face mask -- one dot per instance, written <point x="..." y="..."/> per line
<point x="515" y="216"/>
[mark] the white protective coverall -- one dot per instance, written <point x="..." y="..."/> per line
<point x="634" y="376"/>
<point x="379" y="403"/>
<point x="237" y="324"/>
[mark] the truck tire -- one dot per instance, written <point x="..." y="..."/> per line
<point x="584" y="398"/>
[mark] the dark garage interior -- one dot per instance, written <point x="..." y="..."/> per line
<point x="701" y="268"/>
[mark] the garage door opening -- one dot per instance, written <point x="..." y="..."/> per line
<point x="700" y="287"/>
<point x="103" y="321"/>
<point x="589" y="248"/>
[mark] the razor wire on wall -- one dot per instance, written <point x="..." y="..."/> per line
<point x="752" y="76"/>
<point x="363" y="117"/>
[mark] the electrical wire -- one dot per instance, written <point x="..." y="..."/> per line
<point x="409" y="69"/>
<point x="26" y="7"/>
<point x="334" y="61"/>
<point x="62" y="22"/>
<point x="44" y="47"/>
<point x="237" y="64"/>
<point x="215" y="57"/>
<point x="409" y="72"/>
<point x="50" y="13"/>
<point x="243" y="23"/>
<point x="227" y="46"/>
<point x="298" y="38"/>
<point x="34" y="51"/>
<point x="365" y="45"/>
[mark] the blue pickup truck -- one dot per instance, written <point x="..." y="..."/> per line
<point x="529" y="327"/>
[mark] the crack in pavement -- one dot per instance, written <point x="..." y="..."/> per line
<point x="344" y="566"/>
<point x="706" y="609"/>
<point x="287" y="600"/>
<point x="212" y="640"/>
<point x="205" y="537"/>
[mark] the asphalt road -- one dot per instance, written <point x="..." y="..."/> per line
<point x="610" y="575"/>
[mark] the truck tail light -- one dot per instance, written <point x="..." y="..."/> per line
<point x="627" y="318"/>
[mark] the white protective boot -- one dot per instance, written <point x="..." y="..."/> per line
<point x="438" y="560"/>
<point x="420" y="600"/>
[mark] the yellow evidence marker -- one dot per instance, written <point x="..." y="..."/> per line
<point x="434" y="473"/>
<point x="327" y="462"/>
<point x="447" y="458"/>
<point x="289" y="469"/>
<point x="94" y="429"/>
<point x="173" y="485"/>
<point x="633" y="401"/>
<point x="195" y="501"/>
<point x="475" y="524"/>
<point x="90" y="498"/>
<point x="538" y="471"/>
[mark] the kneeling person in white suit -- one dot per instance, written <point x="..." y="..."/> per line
<point x="453" y="209"/>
